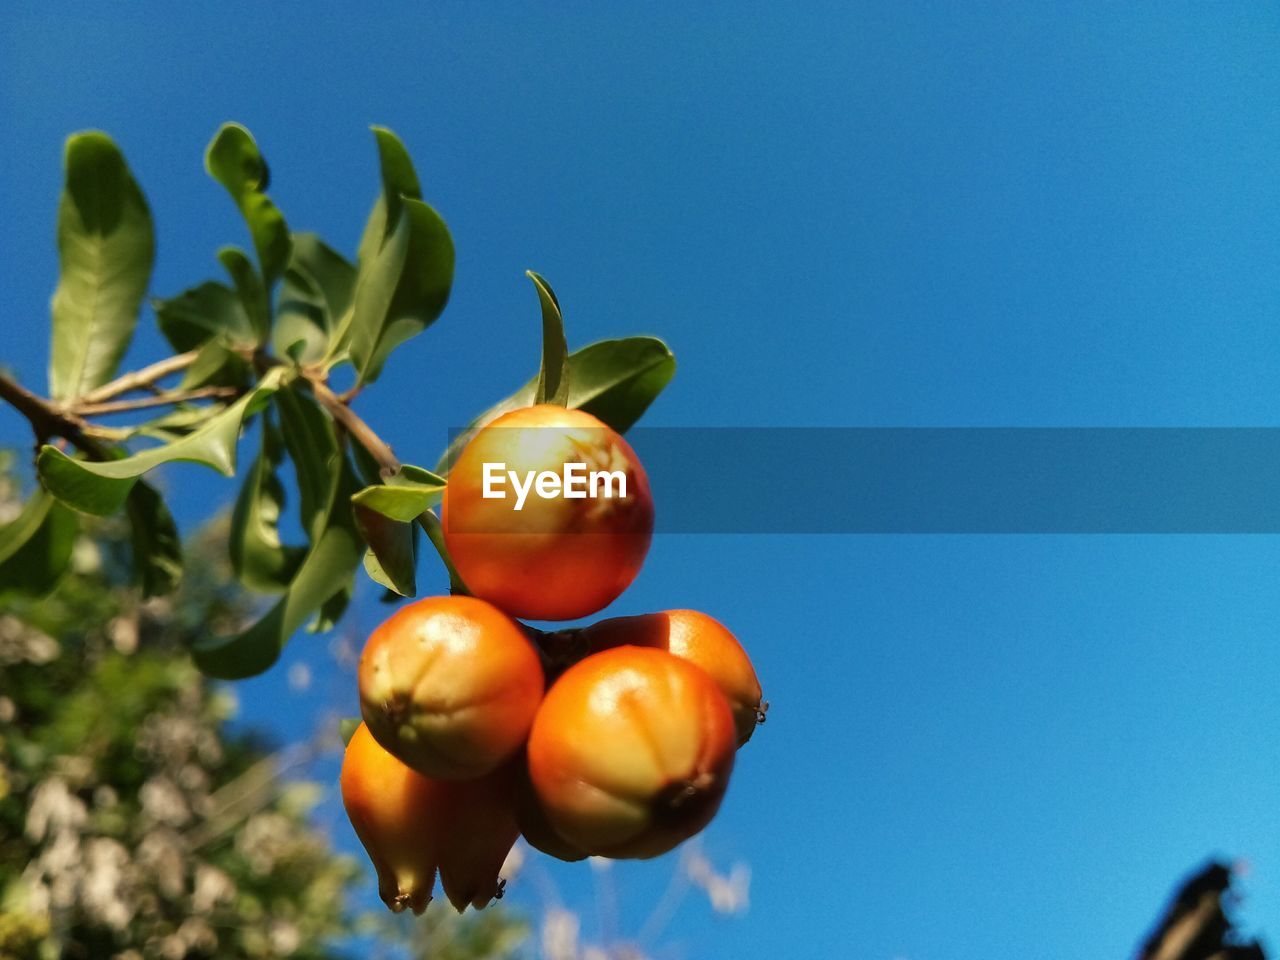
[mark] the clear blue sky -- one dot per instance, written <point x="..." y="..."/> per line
<point x="837" y="214"/>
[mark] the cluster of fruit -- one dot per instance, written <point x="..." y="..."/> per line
<point x="612" y="740"/>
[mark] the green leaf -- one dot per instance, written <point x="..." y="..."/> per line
<point x="157" y="547"/>
<point x="614" y="380"/>
<point x="215" y="365"/>
<point x="553" y="375"/>
<point x="397" y="571"/>
<point x="347" y="727"/>
<point x="331" y="610"/>
<point x="313" y="445"/>
<point x="315" y="296"/>
<point x="399" y="179"/>
<point x="405" y="259"/>
<point x="249" y="288"/>
<point x="100" y="487"/>
<point x="324" y="575"/>
<point x="402" y="290"/>
<point x="260" y="560"/>
<point x="384" y="515"/>
<point x="35" y="547"/>
<point x="233" y="159"/>
<point x="209" y="311"/>
<point x="105" y="247"/>
<point x="404" y="496"/>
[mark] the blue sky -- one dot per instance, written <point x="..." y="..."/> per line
<point x="865" y="214"/>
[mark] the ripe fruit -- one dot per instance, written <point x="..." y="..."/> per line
<point x="450" y="685"/>
<point x="412" y="826"/>
<point x="477" y="830"/>
<point x="555" y="558"/>
<point x="700" y="639"/>
<point x="631" y="752"/>
<point x="387" y="804"/>
<point x="532" y="819"/>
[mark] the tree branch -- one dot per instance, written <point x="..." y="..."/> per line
<point x="158" y="400"/>
<point x="360" y="431"/>
<point x="48" y="421"/>
<point x="138" y="379"/>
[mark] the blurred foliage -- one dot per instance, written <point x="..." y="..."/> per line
<point x="133" y="824"/>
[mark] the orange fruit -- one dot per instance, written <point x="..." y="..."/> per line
<point x="450" y="686"/>
<point x="631" y="752"/>
<point x="700" y="639"/>
<point x="552" y="557"/>
<point x="388" y="804"/>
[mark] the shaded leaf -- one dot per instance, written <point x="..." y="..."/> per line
<point x="315" y="296"/>
<point x="553" y="375"/>
<point x="331" y="610"/>
<point x="384" y="515"/>
<point x="258" y="557"/>
<point x="614" y="380"/>
<point x="35" y="547"/>
<point x="100" y="487"/>
<point x="312" y="444"/>
<point x="105" y="247"/>
<point x="347" y="727"/>
<point x="157" y="547"/>
<point x="325" y="573"/>
<point x="397" y="571"/>
<point x="215" y="365"/>
<point x="195" y="316"/>
<point x="249" y="288"/>
<point x="233" y="159"/>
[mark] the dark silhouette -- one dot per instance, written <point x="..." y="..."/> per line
<point x="1196" y="926"/>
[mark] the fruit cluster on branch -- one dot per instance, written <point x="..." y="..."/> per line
<point x="613" y="740"/>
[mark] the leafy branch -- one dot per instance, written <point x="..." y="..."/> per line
<point x="259" y="347"/>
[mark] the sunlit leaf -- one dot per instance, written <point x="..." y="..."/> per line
<point x="35" y="546"/>
<point x="325" y="574"/>
<point x="403" y="496"/>
<point x="100" y="487"/>
<point x="211" y="310"/>
<point x="399" y="179"/>
<point x="553" y="375"/>
<point x="157" y="547"/>
<point x="405" y="265"/>
<point x="233" y="159"/>
<point x="259" y="558"/>
<point x="403" y="289"/>
<point x="614" y="380"/>
<point x="105" y="246"/>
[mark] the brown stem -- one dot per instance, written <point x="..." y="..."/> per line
<point x="159" y="400"/>
<point x="138" y="379"/>
<point x="360" y="431"/>
<point x="47" y="420"/>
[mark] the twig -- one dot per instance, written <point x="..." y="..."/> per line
<point x="360" y="431"/>
<point x="138" y="379"/>
<point x="159" y="400"/>
<point x="48" y="421"/>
